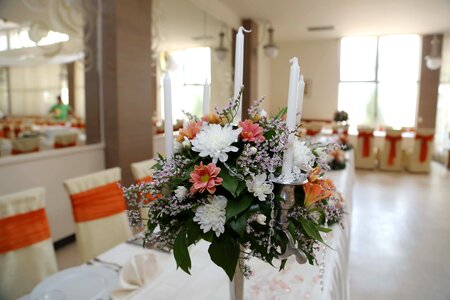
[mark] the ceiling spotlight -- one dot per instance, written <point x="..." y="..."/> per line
<point x="434" y="60"/>
<point x="270" y="49"/>
<point x="221" y="51"/>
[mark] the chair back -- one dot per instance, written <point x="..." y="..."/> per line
<point x="65" y="140"/>
<point x="313" y="129"/>
<point x="142" y="171"/>
<point x="98" y="208"/>
<point x="391" y="158"/>
<point x="27" y="255"/>
<point x="420" y="157"/>
<point x="25" y="145"/>
<point x="365" y="157"/>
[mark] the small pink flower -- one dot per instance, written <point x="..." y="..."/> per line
<point x="205" y="177"/>
<point x="251" y="131"/>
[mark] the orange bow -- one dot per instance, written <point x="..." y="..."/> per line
<point x="393" y="149"/>
<point x="425" y="139"/>
<point x="60" y="145"/>
<point x="366" y="142"/>
<point x="312" y="132"/>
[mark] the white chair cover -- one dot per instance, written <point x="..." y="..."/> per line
<point x="361" y="161"/>
<point x="25" y="144"/>
<point x="397" y="164"/>
<point x="22" y="269"/>
<point x="413" y="161"/>
<point x="97" y="236"/>
<point x="142" y="169"/>
<point x="66" y="139"/>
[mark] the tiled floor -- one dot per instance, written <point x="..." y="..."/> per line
<point x="400" y="246"/>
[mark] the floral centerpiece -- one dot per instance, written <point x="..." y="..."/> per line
<point x="221" y="187"/>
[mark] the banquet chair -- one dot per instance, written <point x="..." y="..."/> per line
<point x="25" y="145"/>
<point x="365" y="156"/>
<point x="391" y="156"/>
<point x="418" y="160"/>
<point x="98" y="207"/>
<point x="65" y="140"/>
<point x="27" y="255"/>
<point x="142" y="172"/>
<point x="313" y="129"/>
<point x="340" y="129"/>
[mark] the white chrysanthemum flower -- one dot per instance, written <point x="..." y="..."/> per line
<point x="212" y="215"/>
<point x="259" y="187"/>
<point x="303" y="157"/>
<point x="177" y="147"/>
<point x="215" y="141"/>
<point x="181" y="192"/>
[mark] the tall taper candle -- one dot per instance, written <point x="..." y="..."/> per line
<point x="290" y="118"/>
<point x="301" y="91"/>
<point x="239" y="69"/>
<point x="206" y="97"/>
<point x="168" y="124"/>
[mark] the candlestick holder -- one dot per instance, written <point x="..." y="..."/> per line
<point x="284" y="202"/>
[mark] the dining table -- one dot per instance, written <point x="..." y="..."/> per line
<point x="327" y="280"/>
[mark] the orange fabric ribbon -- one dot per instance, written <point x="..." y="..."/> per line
<point x="15" y="151"/>
<point x="97" y="203"/>
<point x="60" y="145"/>
<point x="146" y="179"/>
<point x="23" y="230"/>
<point x="425" y="139"/>
<point x="366" y="142"/>
<point x="312" y="132"/>
<point x="393" y="148"/>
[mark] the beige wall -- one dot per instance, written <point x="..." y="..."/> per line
<point x="319" y="62"/>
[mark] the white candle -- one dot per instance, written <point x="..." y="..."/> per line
<point x="239" y="69"/>
<point x="291" y="118"/>
<point x="168" y="124"/>
<point x="206" y="97"/>
<point x="301" y="91"/>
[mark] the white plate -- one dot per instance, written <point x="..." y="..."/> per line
<point x="85" y="282"/>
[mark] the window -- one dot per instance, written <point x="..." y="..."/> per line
<point x="379" y="79"/>
<point x="189" y="68"/>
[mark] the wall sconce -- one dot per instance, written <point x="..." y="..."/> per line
<point x="270" y="49"/>
<point x="434" y="60"/>
<point x="221" y="51"/>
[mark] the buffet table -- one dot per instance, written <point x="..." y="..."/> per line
<point x="207" y="281"/>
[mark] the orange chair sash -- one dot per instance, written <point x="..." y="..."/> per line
<point x="97" y="203"/>
<point x="366" y="142"/>
<point x="425" y="139"/>
<point x="312" y="132"/>
<point x="15" y="151"/>
<point x="393" y="148"/>
<point x="23" y="230"/>
<point x="60" y="145"/>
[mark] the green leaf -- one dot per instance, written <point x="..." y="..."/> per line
<point x="283" y="264"/>
<point x="324" y="229"/>
<point x="282" y="112"/>
<point x="240" y="224"/>
<point x="181" y="252"/>
<point x="241" y="187"/>
<point x="229" y="182"/>
<point x="224" y="252"/>
<point x="311" y="229"/>
<point x="193" y="232"/>
<point x="236" y="206"/>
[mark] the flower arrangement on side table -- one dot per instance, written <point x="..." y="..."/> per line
<point x="221" y="187"/>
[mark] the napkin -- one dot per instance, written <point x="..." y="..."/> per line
<point x="136" y="273"/>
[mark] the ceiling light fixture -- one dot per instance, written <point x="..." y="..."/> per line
<point x="434" y="60"/>
<point x="270" y="49"/>
<point x="221" y="51"/>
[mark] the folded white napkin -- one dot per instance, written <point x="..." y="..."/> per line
<point x="136" y="273"/>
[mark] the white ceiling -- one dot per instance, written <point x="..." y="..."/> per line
<point x="290" y="18"/>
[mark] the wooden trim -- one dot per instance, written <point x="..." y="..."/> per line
<point x="71" y="84"/>
<point x="250" y="66"/>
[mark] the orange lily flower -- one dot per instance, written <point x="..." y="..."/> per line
<point x="190" y="132"/>
<point x="314" y="193"/>
<point x="314" y="175"/>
